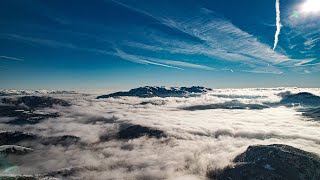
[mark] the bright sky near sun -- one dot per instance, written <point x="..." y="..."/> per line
<point x="128" y="43"/>
<point x="311" y="6"/>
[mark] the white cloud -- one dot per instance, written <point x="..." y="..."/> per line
<point x="214" y="37"/>
<point x="278" y="24"/>
<point x="159" y="62"/>
<point x="197" y="140"/>
<point x="186" y="64"/>
<point x="140" y="59"/>
<point x="51" y="43"/>
<point x="11" y="58"/>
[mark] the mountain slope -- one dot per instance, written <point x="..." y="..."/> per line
<point x="156" y="91"/>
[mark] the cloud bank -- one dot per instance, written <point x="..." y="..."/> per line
<point x="177" y="143"/>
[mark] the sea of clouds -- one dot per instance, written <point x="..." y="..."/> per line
<point x="195" y="142"/>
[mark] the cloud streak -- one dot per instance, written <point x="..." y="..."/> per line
<point x="52" y="43"/>
<point x="278" y="24"/>
<point x="140" y="59"/>
<point x="159" y="62"/>
<point x="11" y="58"/>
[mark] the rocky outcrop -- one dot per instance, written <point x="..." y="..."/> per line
<point x="14" y="149"/>
<point x="23" y="109"/>
<point x="22" y="116"/>
<point x="21" y="177"/>
<point x="65" y="140"/>
<point x="302" y="98"/>
<point x="128" y="131"/>
<point x="16" y="137"/>
<point x="137" y="131"/>
<point x="313" y="113"/>
<point x="268" y="162"/>
<point x="13" y="137"/>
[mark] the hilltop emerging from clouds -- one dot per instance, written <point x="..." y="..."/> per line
<point x="160" y="91"/>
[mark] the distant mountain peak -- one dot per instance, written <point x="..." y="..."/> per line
<point x="12" y="92"/>
<point x="159" y="91"/>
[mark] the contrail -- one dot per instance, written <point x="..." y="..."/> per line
<point x="278" y="23"/>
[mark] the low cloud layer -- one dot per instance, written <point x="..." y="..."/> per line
<point x="177" y="143"/>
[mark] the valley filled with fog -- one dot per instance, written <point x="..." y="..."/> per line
<point x="150" y="136"/>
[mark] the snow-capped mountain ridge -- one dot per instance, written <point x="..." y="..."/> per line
<point x="160" y="91"/>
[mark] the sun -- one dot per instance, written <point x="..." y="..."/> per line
<point x="311" y="6"/>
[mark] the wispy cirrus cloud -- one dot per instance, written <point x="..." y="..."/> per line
<point x="11" y="58"/>
<point x="52" y="43"/>
<point x="202" y="34"/>
<point x="140" y="59"/>
<point x="159" y="62"/>
<point x="119" y="53"/>
<point x="186" y="64"/>
<point x="215" y="37"/>
<point x="41" y="41"/>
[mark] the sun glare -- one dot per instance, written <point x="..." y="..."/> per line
<point x="311" y="6"/>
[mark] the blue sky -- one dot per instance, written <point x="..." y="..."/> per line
<point x="122" y="44"/>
